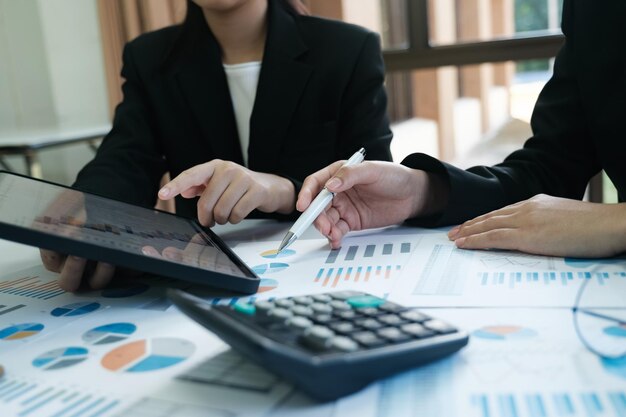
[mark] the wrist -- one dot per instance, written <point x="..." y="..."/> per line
<point x="284" y="195"/>
<point x="432" y="194"/>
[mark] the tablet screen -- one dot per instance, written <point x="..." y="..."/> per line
<point x="109" y="224"/>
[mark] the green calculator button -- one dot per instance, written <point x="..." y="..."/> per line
<point x="363" y="301"/>
<point x="245" y="308"/>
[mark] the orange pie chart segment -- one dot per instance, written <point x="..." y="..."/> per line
<point x="121" y="357"/>
<point x="148" y="355"/>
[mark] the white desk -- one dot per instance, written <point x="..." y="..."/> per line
<point x="28" y="142"/>
<point x="540" y="370"/>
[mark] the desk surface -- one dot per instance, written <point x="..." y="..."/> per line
<point x="41" y="138"/>
<point x="524" y="359"/>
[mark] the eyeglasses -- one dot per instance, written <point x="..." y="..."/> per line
<point x="600" y="320"/>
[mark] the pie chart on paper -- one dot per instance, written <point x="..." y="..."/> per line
<point x="21" y="331"/>
<point x="270" y="268"/>
<point x="109" y="333"/>
<point x="77" y="309"/>
<point x="61" y="358"/>
<point x="148" y="355"/>
<point x="273" y="253"/>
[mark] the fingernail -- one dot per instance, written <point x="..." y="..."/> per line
<point x="460" y="242"/>
<point x="333" y="183"/>
<point x="454" y="232"/>
<point x="164" y="192"/>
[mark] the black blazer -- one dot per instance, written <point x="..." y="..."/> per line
<point x="578" y="124"/>
<point x="320" y="97"/>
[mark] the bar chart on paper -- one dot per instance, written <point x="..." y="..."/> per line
<point x="574" y="404"/>
<point x="26" y="398"/>
<point x="362" y="263"/>
<point x="448" y="276"/>
<point x="32" y="287"/>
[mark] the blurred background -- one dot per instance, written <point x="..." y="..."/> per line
<point x="462" y="75"/>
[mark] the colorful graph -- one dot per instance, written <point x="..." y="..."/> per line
<point x="32" y="287"/>
<point x="548" y="405"/>
<point x="615" y="366"/>
<point x="267" y="285"/>
<point x="516" y="279"/>
<point x="109" y="333"/>
<point x="21" y="331"/>
<point x="273" y="253"/>
<point x="27" y="398"/>
<point x="356" y="252"/>
<point x="270" y="268"/>
<point x="331" y="277"/>
<point x="504" y="332"/>
<point x="618" y="330"/>
<point x="61" y="358"/>
<point x="587" y="263"/>
<point x="125" y="291"/>
<point x="76" y="309"/>
<point x="4" y="309"/>
<point x="148" y="355"/>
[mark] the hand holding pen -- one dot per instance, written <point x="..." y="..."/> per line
<point x="370" y="194"/>
<point x="316" y="207"/>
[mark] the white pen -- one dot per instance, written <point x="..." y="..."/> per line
<point x="316" y="207"/>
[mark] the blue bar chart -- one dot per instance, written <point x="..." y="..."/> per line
<point x="31" y="287"/>
<point x="555" y="278"/>
<point x="27" y="398"/>
<point x="559" y="404"/>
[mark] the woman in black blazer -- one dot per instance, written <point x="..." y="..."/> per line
<point x="320" y="97"/>
<point x="531" y="201"/>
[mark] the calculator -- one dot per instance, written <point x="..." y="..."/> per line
<point x="328" y="345"/>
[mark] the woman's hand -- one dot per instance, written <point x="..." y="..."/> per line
<point x="229" y="192"/>
<point x="371" y="194"/>
<point x="546" y="225"/>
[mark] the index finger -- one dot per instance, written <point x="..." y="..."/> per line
<point x="314" y="183"/>
<point x="190" y="178"/>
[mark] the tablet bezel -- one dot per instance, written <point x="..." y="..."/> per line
<point x="62" y="244"/>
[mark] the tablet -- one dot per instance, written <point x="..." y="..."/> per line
<point x="65" y="220"/>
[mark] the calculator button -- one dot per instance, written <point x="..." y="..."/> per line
<point x="343" y="343"/>
<point x="439" y="326"/>
<point x="392" y="334"/>
<point x="417" y="330"/>
<point x="340" y="305"/>
<point x="285" y="303"/>
<point x="363" y="301"/>
<point x="279" y="313"/>
<point x="318" y="336"/>
<point x="322" y="298"/>
<point x="300" y="323"/>
<point x="346" y="314"/>
<point x="343" y="327"/>
<point x="245" y="308"/>
<point x="344" y="295"/>
<point x="303" y="300"/>
<point x="263" y="307"/>
<point x="391" y="307"/>
<point x="321" y="308"/>
<point x="301" y="310"/>
<point x="370" y="311"/>
<point x="322" y="318"/>
<point x="391" y="319"/>
<point x="414" y="315"/>
<point x="368" y="339"/>
<point x="370" y="324"/>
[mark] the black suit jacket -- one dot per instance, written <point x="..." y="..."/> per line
<point x="579" y="124"/>
<point x="320" y="97"/>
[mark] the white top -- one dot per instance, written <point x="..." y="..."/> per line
<point x="242" y="83"/>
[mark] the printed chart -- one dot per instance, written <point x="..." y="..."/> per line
<point x="31" y="286"/>
<point x="75" y="309"/>
<point x="310" y="266"/>
<point x="27" y="398"/>
<point x="61" y="358"/>
<point x="109" y="333"/>
<point x="148" y="355"/>
<point x="21" y="331"/>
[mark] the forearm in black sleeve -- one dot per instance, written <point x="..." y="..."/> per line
<point x="129" y="164"/>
